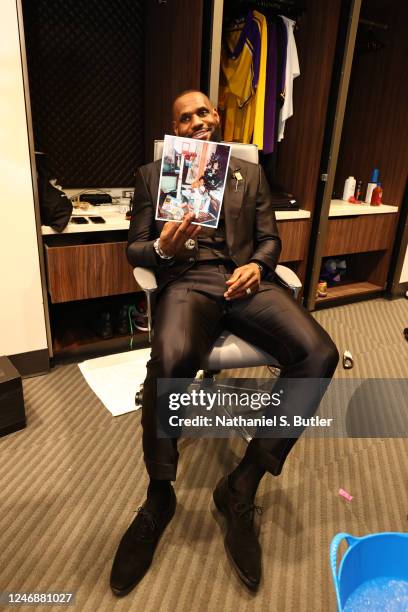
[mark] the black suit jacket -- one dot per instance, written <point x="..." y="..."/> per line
<point x="250" y="223"/>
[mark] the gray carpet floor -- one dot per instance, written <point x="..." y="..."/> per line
<point x="73" y="479"/>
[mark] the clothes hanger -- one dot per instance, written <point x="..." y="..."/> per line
<point x="367" y="39"/>
<point x="234" y="9"/>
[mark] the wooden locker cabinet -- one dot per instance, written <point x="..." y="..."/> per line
<point x="363" y="242"/>
<point x="80" y="272"/>
<point x="359" y="234"/>
<point x="298" y="161"/>
<point x="294" y="236"/>
<point x="366" y="130"/>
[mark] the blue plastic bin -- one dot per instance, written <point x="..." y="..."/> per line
<point x="373" y="556"/>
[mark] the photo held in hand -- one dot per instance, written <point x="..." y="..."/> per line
<point x="192" y="180"/>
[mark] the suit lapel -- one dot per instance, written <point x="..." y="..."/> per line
<point x="155" y="191"/>
<point x="233" y="199"/>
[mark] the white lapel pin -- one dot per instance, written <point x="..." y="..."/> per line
<point x="238" y="177"/>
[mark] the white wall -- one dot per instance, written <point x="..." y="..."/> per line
<point x="404" y="271"/>
<point x="22" y="321"/>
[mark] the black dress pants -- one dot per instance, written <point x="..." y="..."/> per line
<point x="189" y="316"/>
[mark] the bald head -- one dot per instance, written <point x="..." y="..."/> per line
<point x="194" y="115"/>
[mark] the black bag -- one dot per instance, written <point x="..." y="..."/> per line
<point x="281" y="200"/>
<point x="55" y="206"/>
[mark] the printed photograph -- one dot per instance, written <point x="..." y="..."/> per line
<point x="192" y="179"/>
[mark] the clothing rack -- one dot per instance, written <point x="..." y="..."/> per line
<point x="290" y="8"/>
<point x="373" y="24"/>
<point x="367" y="37"/>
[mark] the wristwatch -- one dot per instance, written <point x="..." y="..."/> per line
<point x="157" y="248"/>
<point x="261" y="268"/>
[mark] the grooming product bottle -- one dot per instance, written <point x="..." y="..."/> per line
<point x="376" y="198"/>
<point x="349" y="188"/>
<point x="372" y="185"/>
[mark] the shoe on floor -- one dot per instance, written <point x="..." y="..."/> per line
<point x="101" y="324"/>
<point x="138" y="316"/>
<point x="121" y="320"/>
<point x="137" y="547"/>
<point x="241" y="541"/>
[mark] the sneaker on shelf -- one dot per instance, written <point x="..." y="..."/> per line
<point x="101" y="324"/>
<point x="121" y="320"/>
<point x="138" y="316"/>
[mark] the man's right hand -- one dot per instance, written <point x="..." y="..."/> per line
<point x="174" y="235"/>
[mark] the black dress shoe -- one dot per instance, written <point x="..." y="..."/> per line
<point x="121" y="321"/>
<point x="241" y="541"/>
<point x="102" y="325"/>
<point x="136" y="549"/>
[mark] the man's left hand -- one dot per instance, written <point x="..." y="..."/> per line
<point x="243" y="278"/>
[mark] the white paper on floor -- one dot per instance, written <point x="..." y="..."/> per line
<point x="116" y="378"/>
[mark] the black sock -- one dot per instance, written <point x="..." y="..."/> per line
<point x="159" y="493"/>
<point x="245" y="478"/>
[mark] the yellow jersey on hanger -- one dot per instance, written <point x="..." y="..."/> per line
<point x="260" y="91"/>
<point x="242" y="89"/>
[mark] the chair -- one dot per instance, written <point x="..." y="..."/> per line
<point x="228" y="351"/>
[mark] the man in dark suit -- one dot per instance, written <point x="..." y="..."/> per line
<point x="210" y="280"/>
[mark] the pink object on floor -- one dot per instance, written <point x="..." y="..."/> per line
<point x="346" y="495"/>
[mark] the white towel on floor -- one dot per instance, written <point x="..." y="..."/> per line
<point x="116" y="378"/>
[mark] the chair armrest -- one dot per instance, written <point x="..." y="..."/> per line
<point x="145" y="278"/>
<point x="289" y="278"/>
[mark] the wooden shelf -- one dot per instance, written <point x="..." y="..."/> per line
<point x="339" y="208"/>
<point x="81" y="272"/>
<point x="75" y="326"/>
<point x="117" y="221"/>
<point x="349" y="289"/>
<point x="359" y="234"/>
<point x="89" y="345"/>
